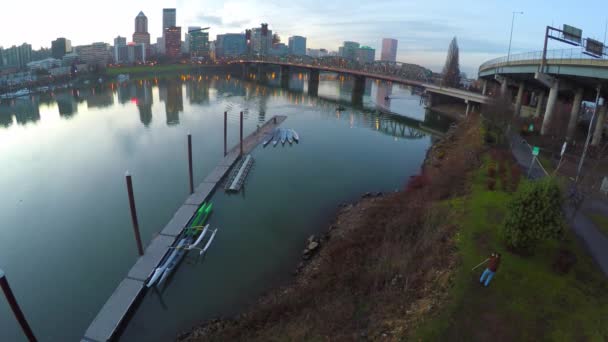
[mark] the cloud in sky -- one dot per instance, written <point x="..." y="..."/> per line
<point x="423" y="28"/>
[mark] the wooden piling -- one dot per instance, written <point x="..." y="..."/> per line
<point x="190" y="163"/>
<point x="140" y="248"/>
<point x="225" y="133"/>
<point x="241" y="133"/>
<point x="10" y="298"/>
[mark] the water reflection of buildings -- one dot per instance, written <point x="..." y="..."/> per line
<point x="67" y="105"/>
<point x="174" y="101"/>
<point x="24" y="111"/>
<point x="197" y="91"/>
<point x="384" y="90"/>
<point x="98" y="97"/>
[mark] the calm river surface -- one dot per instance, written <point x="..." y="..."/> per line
<point x="65" y="232"/>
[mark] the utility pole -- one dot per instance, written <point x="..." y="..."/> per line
<point x="511" y="36"/>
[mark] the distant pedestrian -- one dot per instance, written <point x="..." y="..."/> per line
<point x="488" y="274"/>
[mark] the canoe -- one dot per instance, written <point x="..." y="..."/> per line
<point x="276" y="137"/>
<point x="268" y="138"/>
<point x="283" y="136"/>
<point x="162" y="269"/>
<point x="174" y="259"/>
<point x="200" y="238"/>
<point x="204" y="250"/>
<point x="296" y="137"/>
<point x="289" y="136"/>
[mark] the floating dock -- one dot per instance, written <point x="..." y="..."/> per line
<point x="117" y="308"/>
<point x="238" y="176"/>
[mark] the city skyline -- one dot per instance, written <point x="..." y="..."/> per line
<point x="423" y="32"/>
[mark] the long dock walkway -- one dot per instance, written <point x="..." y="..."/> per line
<point x="113" y="313"/>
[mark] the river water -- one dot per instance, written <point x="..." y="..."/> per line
<point x="65" y="232"/>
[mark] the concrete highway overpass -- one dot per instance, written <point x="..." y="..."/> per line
<point x="568" y="78"/>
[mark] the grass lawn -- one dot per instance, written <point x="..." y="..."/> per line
<point x="147" y="69"/>
<point x="527" y="300"/>
<point x="601" y="222"/>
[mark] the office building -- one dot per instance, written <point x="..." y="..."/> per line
<point x="94" y="54"/>
<point x="198" y="42"/>
<point x="279" y="49"/>
<point x="16" y="56"/>
<point x="297" y="46"/>
<point x="349" y="50"/>
<point x="389" y="50"/>
<point x="118" y="42"/>
<point x="365" y="54"/>
<point x="173" y="41"/>
<point x="169" y="18"/>
<point x="141" y="35"/>
<point x="230" y="45"/>
<point x="130" y="53"/>
<point x="59" y="47"/>
<point x="261" y="40"/>
<point x="316" y="53"/>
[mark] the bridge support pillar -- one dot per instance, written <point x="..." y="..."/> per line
<point x="358" y="90"/>
<point x="550" y="107"/>
<point x="284" y="76"/>
<point x="576" y="108"/>
<point x="244" y="70"/>
<point x="599" y="125"/>
<point x="313" y="82"/>
<point x="518" y="100"/>
<point x="503" y="86"/>
<point x="539" y="103"/>
<point x="484" y="90"/>
<point x="466" y="113"/>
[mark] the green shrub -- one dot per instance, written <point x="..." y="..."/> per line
<point x="534" y="214"/>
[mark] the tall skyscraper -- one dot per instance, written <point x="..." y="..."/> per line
<point x="349" y="50"/>
<point x="199" y="43"/>
<point x="261" y="40"/>
<point x="169" y="17"/>
<point x="60" y="46"/>
<point x="173" y="41"/>
<point x="17" y="56"/>
<point x="389" y="50"/>
<point x="297" y="45"/>
<point x="141" y="35"/>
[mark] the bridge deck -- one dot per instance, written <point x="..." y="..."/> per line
<point x="453" y="92"/>
<point x="122" y="300"/>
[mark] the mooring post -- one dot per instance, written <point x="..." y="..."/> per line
<point x="140" y="249"/>
<point x="241" y="133"/>
<point x="10" y="298"/>
<point x="225" y="132"/>
<point x="190" y="162"/>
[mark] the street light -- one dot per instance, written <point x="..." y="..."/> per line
<point x="511" y="36"/>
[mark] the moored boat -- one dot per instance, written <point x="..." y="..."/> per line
<point x="296" y="137"/>
<point x="290" y="136"/>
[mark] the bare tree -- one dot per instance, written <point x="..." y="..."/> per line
<point x="498" y="115"/>
<point x="451" y="70"/>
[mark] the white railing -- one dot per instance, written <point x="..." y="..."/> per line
<point x="563" y="56"/>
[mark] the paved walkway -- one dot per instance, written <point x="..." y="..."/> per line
<point x="595" y="241"/>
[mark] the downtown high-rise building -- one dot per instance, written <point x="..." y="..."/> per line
<point x="60" y="47"/>
<point x="141" y="35"/>
<point x="169" y="18"/>
<point x="16" y="56"/>
<point x="173" y="41"/>
<point x="389" y="50"/>
<point x="365" y="54"/>
<point x="230" y="45"/>
<point x="349" y="50"/>
<point x="297" y="46"/>
<point x="261" y="40"/>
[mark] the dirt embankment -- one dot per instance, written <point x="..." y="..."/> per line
<point x="383" y="265"/>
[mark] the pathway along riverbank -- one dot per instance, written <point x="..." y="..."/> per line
<point x="384" y="264"/>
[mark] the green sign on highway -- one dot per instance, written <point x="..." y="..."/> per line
<point x="535" y="151"/>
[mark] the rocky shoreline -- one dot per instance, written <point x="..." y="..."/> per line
<point x="345" y="229"/>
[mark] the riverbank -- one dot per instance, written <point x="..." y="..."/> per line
<point x="385" y="263"/>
